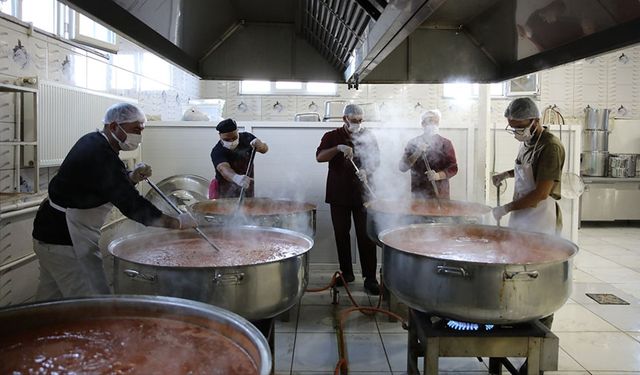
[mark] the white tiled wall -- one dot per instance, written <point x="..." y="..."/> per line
<point x="601" y="82"/>
<point x="161" y="88"/>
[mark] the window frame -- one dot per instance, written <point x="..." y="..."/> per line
<point x="75" y="35"/>
<point x="274" y="91"/>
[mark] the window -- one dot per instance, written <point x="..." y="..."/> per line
<point x="287" y="88"/>
<point x="54" y="17"/>
<point x="42" y="14"/>
<point x="525" y="85"/>
<point x="91" y="33"/>
<point x="460" y="90"/>
<point x="160" y="70"/>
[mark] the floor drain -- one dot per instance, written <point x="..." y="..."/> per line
<point x="607" y="299"/>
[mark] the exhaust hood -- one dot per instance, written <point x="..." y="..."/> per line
<point x="370" y="41"/>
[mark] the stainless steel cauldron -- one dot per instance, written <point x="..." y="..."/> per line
<point x="264" y="212"/>
<point x="386" y="214"/>
<point x="257" y="290"/>
<point x="478" y="273"/>
<point x="27" y="318"/>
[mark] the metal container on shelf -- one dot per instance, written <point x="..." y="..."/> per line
<point x="595" y="140"/>
<point x="622" y="165"/>
<point x="594" y="163"/>
<point x="307" y="117"/>
<point x="596" y="119"/>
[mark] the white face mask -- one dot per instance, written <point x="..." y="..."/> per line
<point x="526" y="135"/>
<point x="231" y="145"/>
<point x="131" y="141"/>
<point x="353" y="127"/>
<point x="430" y="130"/>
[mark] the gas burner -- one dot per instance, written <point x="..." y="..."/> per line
<point x="467" y="326"/>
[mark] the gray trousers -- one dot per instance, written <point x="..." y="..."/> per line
<point x="62" y="275"/>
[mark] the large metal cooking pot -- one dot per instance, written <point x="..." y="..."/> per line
<point x="596" y="119"/>
<point x="478" y="273"/>
<point x="37" y="322"/>
<point x="258" y="273"/>
<point x="264" y="212"/>
<point x="594" y="163"/>
<point x="183" y="190"/>
<point x="595" y="140"/>
<point x="384" y="214"/>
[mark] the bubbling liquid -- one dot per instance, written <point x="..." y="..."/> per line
<point x="251" y="207"/>
<point x="237" y="247"/>
<point x="123" y="346"/>
<point x="478" y="244"/>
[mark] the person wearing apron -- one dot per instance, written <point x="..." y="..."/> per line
<point x="90" y="182"/>
<point x="537" y="173"/>
<point x="438" y="151"/>
<point x="346" y="191"/>
<point x="230" y="157"/>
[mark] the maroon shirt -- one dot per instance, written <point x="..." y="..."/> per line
<point x="343" y="186"/>
<point x="441" y="157"/>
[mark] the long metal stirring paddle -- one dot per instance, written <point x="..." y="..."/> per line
<point x="173" y="205"/>
<point x="243" y="190"/>
<point x="364" y="182"/>
<point x="433" y="183"/>
<point x="498" y="199"/>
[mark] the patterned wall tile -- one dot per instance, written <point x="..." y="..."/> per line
<point x="388" y="91"/>
<point x="213" y="89"/>
<point x="243" y="108"/>
<point x="278" y="108"/>
<point x="311" y="104"/>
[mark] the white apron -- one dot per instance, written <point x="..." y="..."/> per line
<point x="541" y="218"/>
<point x="84" y="229"/>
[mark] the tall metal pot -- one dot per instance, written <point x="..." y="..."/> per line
<point x="596" y="119"/>
<point x="386" y="214"/>
<point x="277" y="213"/>
<point x="254" y="291"/>
<point x="594" y="163"/>
<point x="495" y="293"/>
<point x="25" y="318"/>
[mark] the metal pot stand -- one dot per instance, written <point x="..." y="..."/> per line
<point x="429" y="337"/>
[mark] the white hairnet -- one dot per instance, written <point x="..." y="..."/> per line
<point x="123" y="113"/>
<point x="522" y="109"/>
<point x="431" y="117"/>
<point x="352" y="110"/>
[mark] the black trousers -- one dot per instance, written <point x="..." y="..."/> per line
<point x="341" y="219"/>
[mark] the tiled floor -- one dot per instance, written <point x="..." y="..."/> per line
<point x="594" y="339"/>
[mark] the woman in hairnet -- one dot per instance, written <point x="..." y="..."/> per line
<point x="537" y="172"/>
<point x="434" y="149"/>
<point x="91" y="180"/>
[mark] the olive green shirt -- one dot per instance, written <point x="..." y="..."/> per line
<point x="547" y="162"/>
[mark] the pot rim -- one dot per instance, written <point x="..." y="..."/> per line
<point x="460" y="226"/>
<point x="118" y="241"/>
<point x="368" y="205"/>
<point x="229" y="318"/>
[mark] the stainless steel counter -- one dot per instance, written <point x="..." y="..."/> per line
<point x="609" y="199"/>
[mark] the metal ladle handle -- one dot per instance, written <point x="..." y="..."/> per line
<point x="173" y="205"/>
<point x="243" y="190"/>
<point x="364" y="182"/>
<point x="433" y="183"/>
